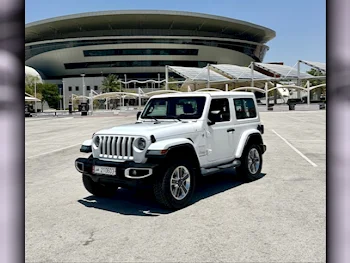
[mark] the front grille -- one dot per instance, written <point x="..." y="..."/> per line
<point x="117" y="147"/>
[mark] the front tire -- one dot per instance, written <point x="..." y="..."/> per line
<point x="98" y="189"/>
<point x="174" y="185"/>
<point x="251" y="163"/>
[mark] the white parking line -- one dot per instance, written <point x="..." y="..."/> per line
<point x="58" y="150"/>
<point x="295" y="149"/>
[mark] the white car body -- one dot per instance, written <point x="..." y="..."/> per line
<point x="190" y="134"/>
<point x="213" y="144"/>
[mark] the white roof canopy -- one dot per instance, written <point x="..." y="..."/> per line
<point x="238" y="72"/>
<point x="284" y="71"/>
<point x="198" y="74"/>
<point x="26" y="98"/>
<point x="226" y="73"/>
<point x="317" y="65"/>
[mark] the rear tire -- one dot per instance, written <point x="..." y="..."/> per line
<point x="175" y="184"/>
<point x="251" y="163"/>
<point x="98" y="189"/>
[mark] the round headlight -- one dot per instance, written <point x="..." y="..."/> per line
<point x="141" y="144"/>
<point x="97" y="141"/>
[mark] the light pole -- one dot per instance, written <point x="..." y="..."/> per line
<point x="158" y="80"/>
<point x="64" y="98"/>
<point x="125" y="81"/>
<point x="83" y="75"/>
<point x="36" y="109"/>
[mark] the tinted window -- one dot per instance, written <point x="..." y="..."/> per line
<point x="95" y="87"/>
<point x="137" y="63"/>
<point x="140" y="52"/>
<point x="221" y="105"/>
<point x="76" y="88"/>
<point x="245" y="108"/>
<point x="69" y="88"/>
<point x="87" y="87"/>
<point x="174" y="107"/>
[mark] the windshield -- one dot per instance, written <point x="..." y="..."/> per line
<point x="174" y="107"/>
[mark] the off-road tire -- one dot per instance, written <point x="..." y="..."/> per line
<point x="161" y="186"/>
<point x="98" y="189"/>
<point x="243" y="171"/>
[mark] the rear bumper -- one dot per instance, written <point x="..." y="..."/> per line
<point x="124" y="171"/>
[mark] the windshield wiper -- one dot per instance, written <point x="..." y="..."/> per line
<point x="174" y="117"/>
<point x="150" y="117"/>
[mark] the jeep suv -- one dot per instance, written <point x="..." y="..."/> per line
<point x="176" y="138"/>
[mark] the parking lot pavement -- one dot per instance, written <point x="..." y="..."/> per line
<point x="278" y="218"/>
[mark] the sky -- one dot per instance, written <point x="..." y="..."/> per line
<point x="300" y="25"/>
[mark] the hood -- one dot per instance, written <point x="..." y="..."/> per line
<point x="159" y="130"/>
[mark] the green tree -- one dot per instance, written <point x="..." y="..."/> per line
<point x="30" y="82"/>
<point x="172" y="86"/>
<point x="29" y="90"/>
<point x="49" y="93"/>
<point x="111" y="83"/>
<point x="315" y="82"/>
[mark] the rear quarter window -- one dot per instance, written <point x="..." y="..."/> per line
<point x="245" y="108"/>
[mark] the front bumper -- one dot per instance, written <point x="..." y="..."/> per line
<point x="124" y="170"/>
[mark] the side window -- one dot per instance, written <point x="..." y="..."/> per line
<point x="249" y="107"/>
<point x="245" y="108"/>
<point x="221" y="105"/>
<point x="239" y="109"/>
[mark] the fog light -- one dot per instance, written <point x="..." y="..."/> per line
<point x="133" y="172"/>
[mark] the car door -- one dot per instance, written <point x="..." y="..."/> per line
<point x="219" y="134"/>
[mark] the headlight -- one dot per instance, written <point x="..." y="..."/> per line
<point x="97" y="141"/>
<point x="141" y="144"/>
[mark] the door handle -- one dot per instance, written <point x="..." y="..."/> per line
<point x="231" y="130"/>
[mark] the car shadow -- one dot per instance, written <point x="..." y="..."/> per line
<point x="143" y="203"/>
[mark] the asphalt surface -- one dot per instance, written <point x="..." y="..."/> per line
<point x="278" y="218"/>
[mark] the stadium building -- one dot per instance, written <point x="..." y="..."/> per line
<point x="137" y="45"/>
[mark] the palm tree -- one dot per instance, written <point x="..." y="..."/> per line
<point x="111" y="83"/>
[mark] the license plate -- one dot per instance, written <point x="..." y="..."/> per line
<point x="105" y="170"/>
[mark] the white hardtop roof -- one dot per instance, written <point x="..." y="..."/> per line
<point x="207" y="94"/>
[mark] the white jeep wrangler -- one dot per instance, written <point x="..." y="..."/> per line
<point x="175" y="139"/>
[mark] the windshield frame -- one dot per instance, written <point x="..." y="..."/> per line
<point x="171" y="102"/>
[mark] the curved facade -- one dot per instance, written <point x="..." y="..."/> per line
<point x="140" y="43"/>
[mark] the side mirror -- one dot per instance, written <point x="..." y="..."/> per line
<point x="210" y="122"/>
<point x="138" y="115"/>
<point x="213" y="117"/>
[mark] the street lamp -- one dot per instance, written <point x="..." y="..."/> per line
<point x="158" y="80"/>
<point x="64" y="98"/>
<point x="125" y="81"/>
<point x="36" y="109"/>
<point x="83" y="75"/>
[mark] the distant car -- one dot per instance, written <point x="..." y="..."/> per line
<point x="176" y="138"/>
<point x="27" y="112"/>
